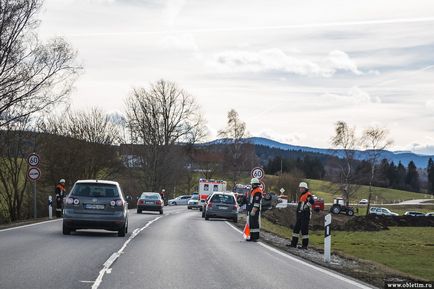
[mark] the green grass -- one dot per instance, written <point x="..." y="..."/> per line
<point x="328" y="191"/>
<point x="406" y="249"/>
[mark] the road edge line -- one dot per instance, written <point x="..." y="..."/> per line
<point x="29" y="225"/>
<point x="325" y="271"/>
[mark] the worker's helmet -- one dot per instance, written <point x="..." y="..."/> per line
<point x="255" y="181"/>
<point x="303" y="185"/>
<point x="62" y="181"/>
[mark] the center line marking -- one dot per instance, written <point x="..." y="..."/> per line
<point x="106" y="266"/>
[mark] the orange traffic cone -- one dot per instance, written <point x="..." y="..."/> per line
<point x="246" y="231"/>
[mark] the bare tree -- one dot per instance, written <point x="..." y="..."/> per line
<point x="15" y="147"/>
<point x="346" y="141"/>
<point x="234" y="134"/>
<point x="33" y="76"/>
<point x="375" y="141"/>
<point x="83" y="147"/>
<point x="161" y="118"/>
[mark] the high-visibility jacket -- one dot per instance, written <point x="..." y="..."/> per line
<point x="305" y="202"/>
<point x="255" y="198"/>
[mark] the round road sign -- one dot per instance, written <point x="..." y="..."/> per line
<point x="33" y="160"/>
<point x="258" y="173"/>
<point x="282" y="190"/>
<point x="34" y="174"/>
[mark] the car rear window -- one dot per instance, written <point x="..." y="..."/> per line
<point x="195" y="197"/>
<point x="225" y="199"/>
<point x="151" y="197"/>
<point x="95" y="190"/>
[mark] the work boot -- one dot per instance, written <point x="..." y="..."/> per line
<point x="294" y="242"/>
<point x="305" y="242"/>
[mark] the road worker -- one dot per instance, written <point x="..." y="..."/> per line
<point x="60" y="194"/>
<point x="254" y="209"/>
<point x="305" y="203"/>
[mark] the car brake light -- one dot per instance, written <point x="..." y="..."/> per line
<point x="119" y="203"/>
<point x="158" y="202"/>
<point x="69" y="201"/>
<point x="112" y="203"/>
<point x="210" y="205"/>
<point x="140" y="202"/>
<point x="76" y="202"/>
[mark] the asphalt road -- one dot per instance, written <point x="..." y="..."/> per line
<point x="176" y="250"/>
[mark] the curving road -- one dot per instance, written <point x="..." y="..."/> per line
<point x="176" y="250"/>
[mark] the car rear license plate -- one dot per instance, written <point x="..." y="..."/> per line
<point x="94" y="207"/>
<point x="223" y="208"/>
<point x="149" y="203"/>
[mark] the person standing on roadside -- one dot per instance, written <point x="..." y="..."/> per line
<point x="60" y="194"/>
<point x="254" y="209"/>
<point x="305" y="203"/>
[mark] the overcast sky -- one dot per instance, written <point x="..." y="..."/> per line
<point x="290" y="68"/>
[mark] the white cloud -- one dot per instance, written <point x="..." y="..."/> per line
<point x="294" y="138"/>
<point x="185" y="41"/>
<point x="429" y="104"/>
<point x="421" y="148"/>
<point x="354" y="96"/>
<point x="276" y="60"/>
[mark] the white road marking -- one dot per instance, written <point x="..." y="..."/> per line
<point x="106" y="266"/>
<point x="30" y="225"/>
<point x="86" y="282"/>
<point x="334" y="275"/>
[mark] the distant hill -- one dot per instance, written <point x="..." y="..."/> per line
<point x="421" y="161"/>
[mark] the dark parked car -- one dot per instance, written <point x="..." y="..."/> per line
<point x="222" y="205"/>
<point x="150" y="202"/>
<point x="414" y="214"/>
<point x="95" y="204"/>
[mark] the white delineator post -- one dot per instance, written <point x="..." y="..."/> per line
<point x="50" y="207"/>
<point x="327" y="237"/>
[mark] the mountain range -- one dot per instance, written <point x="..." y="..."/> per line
<point x="421" y="161"/>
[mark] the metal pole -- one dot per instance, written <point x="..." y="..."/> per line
<point x="34" y="200"/>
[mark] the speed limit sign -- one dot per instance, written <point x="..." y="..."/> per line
<point x="33" y="160"/>
<point x="257" y="173"/>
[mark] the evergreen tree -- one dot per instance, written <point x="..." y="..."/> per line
<point x="401" y="174"/>
<point x="412" y="178"/>
<point x="430" y="170"/>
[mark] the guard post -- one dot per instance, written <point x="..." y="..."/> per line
<point x="327" y="237"/>
<point x="50" y="207"/>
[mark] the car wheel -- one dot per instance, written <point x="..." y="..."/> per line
<point x="161" y="212"/>
<point x="206" y="217"/>
<point x="188" y="208"/>
<point x="174" y="203"/>
<point x="66" y="230"/>
<point x="139" y="211"/>
<point x="235" y="220"/>
<point x="122" y="231"/>
<point x="350" y="213"/>
<point x="200" y="209"/>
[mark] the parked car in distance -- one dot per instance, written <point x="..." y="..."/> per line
<point x="430" y="214"/>
<point x="193" y="203"/>
<point x="95" y="204"/>
<point x="222" y="205"/>
<point x="381" y="211"/>
<point x="181" y="200"/>
<point x="414" y="214"/>
<point x="150" y="202"/>
<point x="363" y="202"/>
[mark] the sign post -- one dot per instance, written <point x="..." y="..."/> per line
<point x="34" y="173"/>
<point x="50" y="207"/>
<point x="327" y="237"/>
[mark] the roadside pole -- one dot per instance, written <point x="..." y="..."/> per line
<point x="327" y="237"/>
<point x="34" y="200"/>
<point x="50" y="207"/>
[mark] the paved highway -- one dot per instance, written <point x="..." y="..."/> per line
<point x="176" y="250"/>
